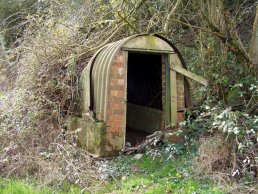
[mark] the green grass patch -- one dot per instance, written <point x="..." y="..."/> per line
<point x="158" y="175"/>
<point x="22" y="187"/>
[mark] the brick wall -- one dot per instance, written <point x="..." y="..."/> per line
<point x="116" y="104"/>
<point x="180" y="97"/>
<point x="180" y="91"/>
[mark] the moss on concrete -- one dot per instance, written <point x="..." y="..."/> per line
<point x="90" y="134"/>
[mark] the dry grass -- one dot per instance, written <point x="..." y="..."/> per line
<point x="240" y="188"/>
<point x="48" y="157"/>
<point x="214" y="157"/>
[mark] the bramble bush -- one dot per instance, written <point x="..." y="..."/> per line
<point x="232" y="130"/>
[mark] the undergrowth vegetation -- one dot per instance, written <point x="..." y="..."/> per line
<point x="227" y="144"/>
<point x="160" y="170"/>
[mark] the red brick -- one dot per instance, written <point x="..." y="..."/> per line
<point x="120" y="81"/>
<point x="116" y="81"/>
<point x="116" y="87"/>
<point x="116" y="117"/>
<point x="181" y="116"/>
<point x="116" y="99"/>
<point x="113" y="93"/>
<point x="117" y="105"/>
<point x="117" y="76"/>
<point x="118" y="111"/>
<point x="117" y="93"/>
<point x="110" y="111"/>
<point x="121" y="93"/>
<point x="118" y="70"/>
<point x="114" y="69"/>
<point x="120" y="64"/>
<point x="117" y="123"/>
<point x="115" y="131"/>
<point x="113" y="81"/>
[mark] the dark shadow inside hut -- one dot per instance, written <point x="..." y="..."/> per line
<point x="144" y="96"/>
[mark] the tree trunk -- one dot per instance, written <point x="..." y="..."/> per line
<point x="254" y="42"/>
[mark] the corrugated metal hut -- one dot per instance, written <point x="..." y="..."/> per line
<point x="131" y="88"/>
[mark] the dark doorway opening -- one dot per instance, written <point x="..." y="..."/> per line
<point x="144" y="96"/>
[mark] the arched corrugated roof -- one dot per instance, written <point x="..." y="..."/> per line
<point x="95" y="77"/>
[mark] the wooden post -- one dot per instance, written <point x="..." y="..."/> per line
<point x="167" y="90"/>
<point x="173" y="91"/>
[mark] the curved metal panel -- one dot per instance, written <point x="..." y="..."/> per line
<point x="85" y="83"/>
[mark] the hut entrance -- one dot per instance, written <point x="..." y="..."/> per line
<point x="144" y="96"/>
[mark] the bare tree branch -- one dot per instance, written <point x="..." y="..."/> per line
<point x="171" y="13"/>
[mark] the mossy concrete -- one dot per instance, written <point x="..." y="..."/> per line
<point x="90" y="134"/>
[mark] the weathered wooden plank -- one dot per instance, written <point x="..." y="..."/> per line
<point x="189" y="74"/>
<point x="167" y="90"/>
<point x="173" y="95"/>
<point x="173" y="90"/>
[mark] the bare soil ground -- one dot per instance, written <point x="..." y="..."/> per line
<point x="135" y="136"/>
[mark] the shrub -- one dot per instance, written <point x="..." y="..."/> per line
<point x="228" y="141"/>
